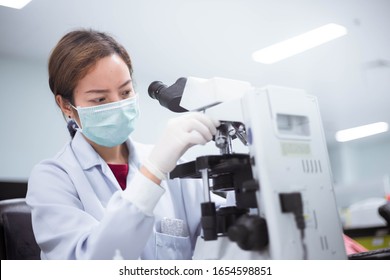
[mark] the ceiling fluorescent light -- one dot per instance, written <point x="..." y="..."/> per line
<point x="361" y="131"/>
<point x="16" y="4"/>
<point x="299" y="44"/>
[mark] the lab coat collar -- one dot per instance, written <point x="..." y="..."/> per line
<point x="88" y="157"/>
<point x="84" y="152"/>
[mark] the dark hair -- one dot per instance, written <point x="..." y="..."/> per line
<point x="75" y="54"/>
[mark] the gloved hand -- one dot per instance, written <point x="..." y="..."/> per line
<point x="180" y="134"/>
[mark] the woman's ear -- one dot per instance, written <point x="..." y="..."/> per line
<point x="64" y="106"/>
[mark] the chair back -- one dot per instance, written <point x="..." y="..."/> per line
<point x="16" y="233"/>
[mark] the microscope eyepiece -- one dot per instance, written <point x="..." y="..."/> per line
<point x="154" y="89"/>
<point x="168" y="97"/>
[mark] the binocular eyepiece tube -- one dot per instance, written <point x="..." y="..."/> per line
<point x="168" y="97"/>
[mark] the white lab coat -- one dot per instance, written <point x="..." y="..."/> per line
<point x="79" y="210"/>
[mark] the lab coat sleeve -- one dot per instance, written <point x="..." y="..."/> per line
<point x="143" y="194"/>
<point x="64" y="230"/>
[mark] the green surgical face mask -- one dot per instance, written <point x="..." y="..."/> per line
<point x="109" y="124"/>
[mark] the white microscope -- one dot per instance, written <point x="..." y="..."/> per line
<point x="285" y="206"/>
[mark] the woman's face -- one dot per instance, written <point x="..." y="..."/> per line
<point x="108" y="81"/>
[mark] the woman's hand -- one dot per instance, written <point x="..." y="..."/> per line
<point x="180" y="134"/>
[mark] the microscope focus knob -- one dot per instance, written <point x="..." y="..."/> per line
<point x="250" y="233"/>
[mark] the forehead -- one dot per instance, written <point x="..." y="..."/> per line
<point x="108" y="72"/>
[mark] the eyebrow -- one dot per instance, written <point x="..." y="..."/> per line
<point x="106" y="90"/>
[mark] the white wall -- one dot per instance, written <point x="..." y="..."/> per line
<point x="360" y="169"/>
<point x="31" y="127"/>
<point x="360" y="160"/>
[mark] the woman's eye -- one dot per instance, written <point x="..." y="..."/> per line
<point x="99" y="100"/>
<point x="126" y="93"/>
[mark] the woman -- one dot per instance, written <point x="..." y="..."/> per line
<point x="104" y="193"/>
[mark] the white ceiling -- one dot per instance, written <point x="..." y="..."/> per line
<point x="168" y="39"/>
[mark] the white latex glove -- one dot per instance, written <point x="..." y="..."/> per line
<point x="180" y="134"/>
